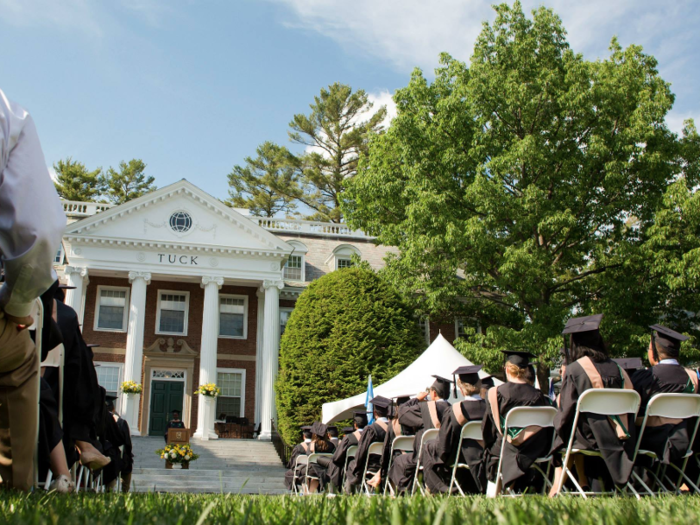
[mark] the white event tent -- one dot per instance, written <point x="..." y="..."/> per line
<point x="440" y="359"/>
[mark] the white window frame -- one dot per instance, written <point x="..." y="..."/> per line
<point x="243" y="383"/>
<point x="187" y="312"/>
<point x="338" y="259"/>
<point x="125" y="322"/>
<point x="426" y="328"/>
<point x="245" y="316"/>
<point x="461" y="319"/>
<point x="60" y="254"/>
<point x="303" y="268"/>
<point x="284" y="309"/>
<point x="120" y="379"/>
<point x="342" y="251"/>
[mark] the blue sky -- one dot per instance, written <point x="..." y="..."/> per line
<point x="192" y="87"/>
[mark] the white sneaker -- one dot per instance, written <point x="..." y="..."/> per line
<point x="62" y="485"/>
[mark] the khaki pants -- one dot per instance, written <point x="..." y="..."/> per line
<point x="19" y="405"/>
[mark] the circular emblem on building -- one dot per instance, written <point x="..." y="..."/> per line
<point x="141" y="257"/>
<point x="180" y="221"/>
<point x="274" y="266"/>
<point x="213" y="262"/>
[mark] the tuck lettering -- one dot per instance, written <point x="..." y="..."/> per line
<point x="190" y="260"/>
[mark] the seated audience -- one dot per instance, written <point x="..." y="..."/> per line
<point x="522" y="447"/>
<point x="438" y="456"/>
<point x="590" y="367"/>
<point x="336" y="467"/>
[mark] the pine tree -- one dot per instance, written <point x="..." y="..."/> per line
<point x="75" y="182"/>
<point x="129" y="183"/>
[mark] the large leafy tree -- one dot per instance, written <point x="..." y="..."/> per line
<point x="516" y="187"/>
<point x="75" y="182"/>
<point x="128" y="182"/>
<point x="345" y="326"/>
<point x="266" y="185"/>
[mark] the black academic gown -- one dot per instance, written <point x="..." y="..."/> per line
<point x="173" y="424"/>
<point x="516" y="460"/>
<point x="594" y="432"/>
<point x="296" y="452"/>
<point x="314" y="469"/>
<point x="127" y="454"/>
<point x="438" y="456"/>
<point x="413" y="414"/>
<point x="336" y="467"/>
<point x="371" y="434"/>
<point x="669" y="441"/>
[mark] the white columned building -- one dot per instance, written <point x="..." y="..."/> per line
<point x="270" y="348"/>
<point x="185" y="290"/>
<point x="207" y="359"/>
<point x="134" y="346"/>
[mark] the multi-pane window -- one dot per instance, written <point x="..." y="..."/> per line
<point x="459" y="328"/>
<point x="462" y="324"/>
<point x="59" y="256"/>
<point x="424" y="325"/>
<point x="293" y="270"/>
<point x="112" y="308"/>
<point x="172" y="313"/>
<point x="343" y="263"/>
<point x="232" y="316"/>
<point x="109" y="377"/>
<point x="284" y="317"/>
<point x="230" y="401"/>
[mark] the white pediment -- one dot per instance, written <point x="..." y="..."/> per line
<point x="177" y="215"/>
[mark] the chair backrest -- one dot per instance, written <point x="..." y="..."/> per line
<point x="352" y="451"/>
<point x="522" y="417"/>
<point x="313" y="458"/>
<point x="472" y="430"/>
<point x="429" y="435"/>
<point x="376" y="448"/>
<point x="677" y="406"/>
<point x="609" y="401"/>
<point x="302" y="459"/>
<point x="404" y="443"/>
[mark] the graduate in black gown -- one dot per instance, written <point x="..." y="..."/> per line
<point x="376" y="432"/>
<point x="126" y="457"/>
<point x="300" y="449"/>
<point x="486" y="385"/>
<point x="175" y="422"/>
<point x="669" y="439"/>
<point x="336" y="467"/>
<point x="521" y="450"/>
<point x="333" y="435"/>
<point x="320" y="444"/>
<point x="419" y="415"/>
<point x="590" y="367"/>
<point x="439" y="456"/>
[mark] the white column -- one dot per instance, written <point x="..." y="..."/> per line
<point x="207" y="354"/>
<point x="271" y="343"/>
<point x="134" y="346"/>
<point x="258" y="354"/>
<point x="77" y="277"/>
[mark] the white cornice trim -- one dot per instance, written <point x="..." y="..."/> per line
<point x="80" y="228"/>
<point x="241" y="252"/>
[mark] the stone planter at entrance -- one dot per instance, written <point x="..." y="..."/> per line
<point x="185" y="465"/>
<point x="168" y="465"/>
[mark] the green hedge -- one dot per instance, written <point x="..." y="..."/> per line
<point x="345" y="326"/>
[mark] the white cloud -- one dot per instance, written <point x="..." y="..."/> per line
<point x="675" y="120"/>
<point x="411" y="33"/>
<point x="383" y="98"/>
<point x="66" y="14"/>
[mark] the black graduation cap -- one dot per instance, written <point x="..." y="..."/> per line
<point x="66" y="287"/>
<point x="442" y="386"/>
<point x="400" y="400"/>
<point x="467" y="374"/>
<point x="319" y="429"/>
<point x="576" y="325"/>
<point x="487" y="381"/>
<point x="305" y="428"/>
<point x="110" y="397"/>
<point x="629" y="364"/>
<point x="518" y="358"/>
<point x="93" y="345"/>
<point x="360" y="419"/>
<point x="381" y="404"/>
<point x="666" y="338"/>
<point x="348" y="430"/>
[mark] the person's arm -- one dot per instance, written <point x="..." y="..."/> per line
<point x="410" y="413"/>
<point x="31" y="215"/>
<point x="568" y="398"/>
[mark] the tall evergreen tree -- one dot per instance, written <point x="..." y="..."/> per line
<point x="129" y="183"/>
<point x="267" y="184"/>
<point x="335" y="133"/>
<point x="75" y="182"/>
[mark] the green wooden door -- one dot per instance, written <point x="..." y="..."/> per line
<point x="166" y="396"/>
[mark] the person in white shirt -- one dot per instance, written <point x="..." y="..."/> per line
<point x="31" y="226"/>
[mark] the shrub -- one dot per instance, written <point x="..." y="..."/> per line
<point x="345" y="326"/>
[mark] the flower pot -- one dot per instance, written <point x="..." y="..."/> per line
<point x="185" y="465"/>
<point x="168" y="465"/>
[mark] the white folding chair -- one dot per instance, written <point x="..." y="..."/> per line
<point x="603" y="402"/>
<point x="472" y="430"/>
<point x="38" y="324"/>
<point x="675" y="406"/>
<point x="428" y="435"/>
<point x="522" y="417"/>
<point x="375" y="449"/>
<point x="302" y="460"/>
<point x="405" y="445"/>
<point x="349" y="455"/>
<point x="313" y="458"/>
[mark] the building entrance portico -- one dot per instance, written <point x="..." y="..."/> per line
<point x="171" y="281"/>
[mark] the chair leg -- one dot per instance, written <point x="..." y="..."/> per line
<point x="49" y="477"/>
<point x="641" y="482"/>
<point x="687" y="479"/>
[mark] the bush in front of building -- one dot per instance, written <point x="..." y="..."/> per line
<point x="345" y="326"/>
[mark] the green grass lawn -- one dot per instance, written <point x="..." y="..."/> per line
<point x="191" y="509"/>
